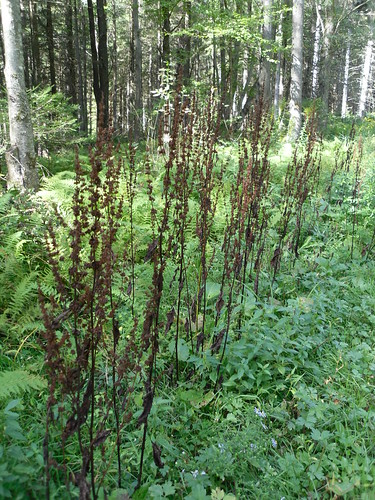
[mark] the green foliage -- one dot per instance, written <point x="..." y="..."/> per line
<point x="54" y="120"/>
<point x="22" y="260"/>
<point x="294" y="415"/>
<point x="21" y="459"/>
<point x="15" y="382"/>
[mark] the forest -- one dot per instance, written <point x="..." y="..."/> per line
<point x="187" y="242"/>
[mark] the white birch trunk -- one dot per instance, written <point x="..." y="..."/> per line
<point x="295" y="103"/>
<point x="278" y="83"/>
<point x="365" y="78"/>
<point x="344" y="102"/>
<point x="21" y="161"/>
<point x="315" y="71"/>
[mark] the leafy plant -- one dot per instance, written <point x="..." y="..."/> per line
<point x="15" y="382"/>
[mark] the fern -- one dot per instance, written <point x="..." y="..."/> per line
<point x="5" y="200"/>
<point x="15" y="382"/>
<point x="24" y="293"/>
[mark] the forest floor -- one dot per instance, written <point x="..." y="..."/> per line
<point x="292" y="414"/>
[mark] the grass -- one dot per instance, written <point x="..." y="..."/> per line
<point x="294" y="416"/>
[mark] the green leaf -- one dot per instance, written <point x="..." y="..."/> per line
<point x="12" y="404"/>
<point x="198" y="492"/>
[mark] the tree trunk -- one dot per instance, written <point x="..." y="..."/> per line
<point x="51" y="46"/>
<point x="328" y="30"/>
<point x="186" y="40"/>
<point x="136" y="57"/>
<point x="35" y="43"/>
<point x="166" y="30"/>
<point x="103" y="59"/>
<point x="316" y="53"/>
<point x="265" y="67"/>
<point x="295" y="103"/>
<point x="344" y="102"/>
<point x="234" y="63"/>
<point x="22" y="172"/>
<point x="25" y="45"/>
<point x="70" y="84"/>
<point x="115" y="67"/>
<point x="99" y="59"/>
<point x="2" y="56"/>
<point x="278" y="82"/>
<point x="82" y="96"/>
<point x="366" y="70"/>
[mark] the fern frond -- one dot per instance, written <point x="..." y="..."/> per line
<point x="5" y="200"/>
<point x="15" y="382"/>
<point x="25" y="291"/>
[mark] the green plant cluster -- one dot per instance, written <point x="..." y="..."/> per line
<point x="294" y="414"/>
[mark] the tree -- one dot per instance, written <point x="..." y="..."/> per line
<point x="21" y="161"/>
<point x="365" y="77"/>
<point x="295" y="103"/>
<point x="136" y="69"/>
<point x="99" y="56"/>
<point x="51" y="46"/>
<point x="265" y="70"/>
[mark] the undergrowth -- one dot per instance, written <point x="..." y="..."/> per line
<point x="208" y="311"/>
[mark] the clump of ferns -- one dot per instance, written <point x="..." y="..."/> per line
<point x="301" y="179"/>
<point x="88" y="402"/>
<point x="22" y="262"/>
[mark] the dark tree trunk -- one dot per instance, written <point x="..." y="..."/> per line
<point x="99" y="60"/>
<point x="115" y="67"/>
<point x="25" y="45"/>
<point x="82" y="85"/>
<point x="51" y="47"/>
<point x="136" y="65"/>
<point x="103" y="59"/>
<point x="35" y="51"/>
<point x="71" y="88"/>
<point x="166" y="45"/>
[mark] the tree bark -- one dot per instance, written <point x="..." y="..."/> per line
<point x="99" y="60"/>
<point x="344" y="102"/>
<point x="265" y="67"/>
<point x="278" y="82"/>
<point x="136" y="56"/>
<point x="328" y="30"/>
<point x="51" y="47"/>
<point x="21" y="161"/>
<point x="295" y="103"/>
<point x="166" y="30"/>
<point x="103" y="60"/>
<point x="25" y="44"/>
<point x="316" y="53"/>
<point x="70" y="84"/>
<point x="366" y="70"/>
<point x="82" y="84"/>
<point x="186" y="39"/>
<point x="34" y="31"/>
<point x="115" y="67"/>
